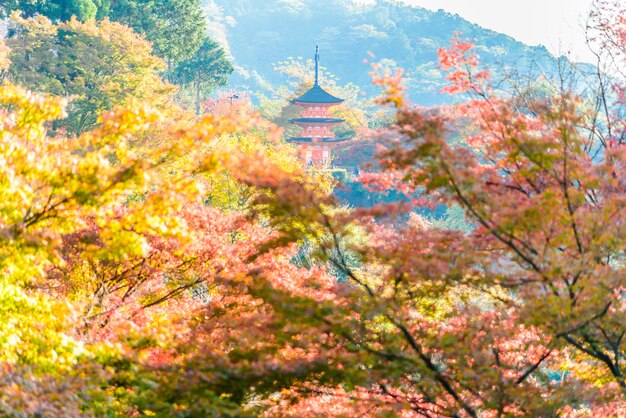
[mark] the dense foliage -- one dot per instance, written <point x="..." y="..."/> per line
<point x="60" y="9"/>
<point x="99" y="64"/>
<point x="174" y="27"/>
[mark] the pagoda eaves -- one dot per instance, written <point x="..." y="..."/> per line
<point x="316" y="120"/>
<point x="317" y="95"/>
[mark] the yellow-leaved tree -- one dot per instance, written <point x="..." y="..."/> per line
<point x="111" y="244"/>
<point x="97" y="64"/>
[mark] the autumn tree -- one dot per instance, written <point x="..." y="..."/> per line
<point x="98" y="65"/>
<point x="523" y="313"/>
<point x="127" y="264"/>
<point x="519" y="312"/>
<point x="176" y="28"/>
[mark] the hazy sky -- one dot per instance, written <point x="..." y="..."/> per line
<point x="556" y="24"/>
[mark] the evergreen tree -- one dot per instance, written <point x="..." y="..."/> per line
<point x="57" y="10"/>
<point x="206" y="69"/>
<point x="176" y="28"/>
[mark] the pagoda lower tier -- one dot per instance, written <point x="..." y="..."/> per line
<point x="315" y="152"/>
<point x="316" y="139"/>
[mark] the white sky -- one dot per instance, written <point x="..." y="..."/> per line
<point x="556" y="24"/>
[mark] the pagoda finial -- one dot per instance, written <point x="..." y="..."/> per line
<point x="317" y="61"/>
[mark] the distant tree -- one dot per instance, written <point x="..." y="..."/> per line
<point x="207" y="69"/>
<point x="83" y="9"/>
<point x="104" y="7"/>
<point x="99" y="65"/>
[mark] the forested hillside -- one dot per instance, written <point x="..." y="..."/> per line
<point x="261" y="33"/>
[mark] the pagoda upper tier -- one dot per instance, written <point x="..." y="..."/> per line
<point x="317" y="95"/>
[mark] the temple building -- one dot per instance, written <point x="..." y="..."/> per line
<point x="316" y="138"/>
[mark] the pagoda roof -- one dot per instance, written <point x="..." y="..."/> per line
<point x="317" y="95"/>
<point x="309" y="139"/>
<point x="316" y="120"/>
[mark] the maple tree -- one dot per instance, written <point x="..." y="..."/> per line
<point x="538" y="326"/>
<point x="110" y="255"/>
<point x="520" y="314"/>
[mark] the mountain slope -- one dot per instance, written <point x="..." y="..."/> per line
<point x="260" y="33"/>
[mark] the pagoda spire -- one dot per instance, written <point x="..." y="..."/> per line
<point x="317" y="62"/>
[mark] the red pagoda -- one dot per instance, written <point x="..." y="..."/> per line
<point x="316" y="136"/>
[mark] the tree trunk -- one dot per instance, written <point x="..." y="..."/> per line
<point x="197" y="97"/>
